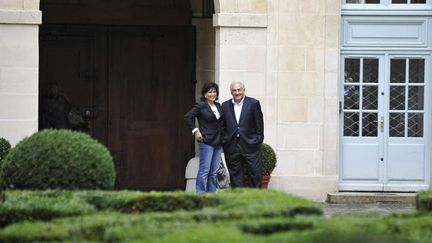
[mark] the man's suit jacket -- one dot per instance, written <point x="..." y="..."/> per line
<point x="211" y="128"/>
<point x="250" y="129"/>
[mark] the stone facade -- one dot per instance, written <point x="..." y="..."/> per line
<point x="286" y="52"/>
<point x="19" y="20"/>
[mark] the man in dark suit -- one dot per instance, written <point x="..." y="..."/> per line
<point x="243" y="136"/>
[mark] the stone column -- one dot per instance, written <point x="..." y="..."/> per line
<point x="241" y="46"/>
<point x="19" y="64"/>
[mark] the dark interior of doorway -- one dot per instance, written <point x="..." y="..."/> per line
<point x="133" y="79"/>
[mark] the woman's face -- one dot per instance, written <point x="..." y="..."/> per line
<point x="211" y="95"/>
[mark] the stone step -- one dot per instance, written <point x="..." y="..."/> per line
<point x="370" y="197"/>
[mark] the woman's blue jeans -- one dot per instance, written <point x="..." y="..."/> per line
<point x="210" y="158"/>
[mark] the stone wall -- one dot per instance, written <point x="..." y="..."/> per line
<point x="19" y="20"/>
<point x="303" y="54"/>
<point x="287" y="53"/>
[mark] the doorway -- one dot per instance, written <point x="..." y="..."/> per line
<point x="385" y="117"/>
<point x="133" y="84"/>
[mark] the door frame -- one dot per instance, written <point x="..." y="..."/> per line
<point x="383" y="108"/>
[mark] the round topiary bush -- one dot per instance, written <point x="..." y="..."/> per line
<point x="58" y="159"/>
<point x="268" y="159"/>
<point x="5" y="146"/>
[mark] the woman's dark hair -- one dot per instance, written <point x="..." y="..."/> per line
<point x="208" y="86"/>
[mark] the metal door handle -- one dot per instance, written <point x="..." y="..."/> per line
<point x="382" y="124"/>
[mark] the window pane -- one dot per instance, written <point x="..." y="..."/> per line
<point x="415" y="124"/>
<point x="416" y="70"/>
<point x="370" y="125"/>
<point x="370" y="97"/>
<point x="415" y="97"/>
<point x="397" y="71"/>
<point x="418" y="1"/>
<point x="351" y="124"/>
<point x="372" y="1"/>
<point x="352" y="70"/>
<point x="399" y="1"/>
<point x="353" y="1"/>
<point x="351" y="97"/>
<point x="397" y="124"/>
<point x="397" y="97"/>
<point x="370" y="70"/>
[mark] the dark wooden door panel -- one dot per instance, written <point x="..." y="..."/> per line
<point x="149" y="164"/>
<point x="73" y="57"/>
<point x="149" y="86"/>
<point x="138" y="82"/>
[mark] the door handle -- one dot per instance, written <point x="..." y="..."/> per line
<point x="382" y="124"/>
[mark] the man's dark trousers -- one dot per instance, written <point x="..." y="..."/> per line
<point x="240" y="162"/>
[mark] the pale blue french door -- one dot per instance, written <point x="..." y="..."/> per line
<point x="384" y="116"/>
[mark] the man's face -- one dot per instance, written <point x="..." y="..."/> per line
<point x="237" y="92"/>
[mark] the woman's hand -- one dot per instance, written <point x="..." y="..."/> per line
<point x="198" y="136"/>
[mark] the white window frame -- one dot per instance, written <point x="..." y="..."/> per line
<point x="386" y="5"/>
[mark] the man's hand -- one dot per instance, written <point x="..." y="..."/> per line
<point x="198" y="136"/>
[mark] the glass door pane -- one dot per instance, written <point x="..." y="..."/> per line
<point x="406" y="97"/>
<point x="408" y="1"/>
<point x="360" y="107"/>
<point x="364" y="1"/>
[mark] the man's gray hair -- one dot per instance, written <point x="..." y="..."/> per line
<point x="237" y="82"/>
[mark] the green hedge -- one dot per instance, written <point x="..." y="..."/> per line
<point x="58" y="159"/>
<point x="40" y="205"/>
<point x="126" y="215"/>
<point x="46" y="205"/>
<point x="243" y="215"/>
<point x="424" y="201"/>
<point x="179" y="226"/>
<point x="140" y="202"/>
<point x="5" y="146"/>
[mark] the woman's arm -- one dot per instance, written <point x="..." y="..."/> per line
<point x="191" y="115"/>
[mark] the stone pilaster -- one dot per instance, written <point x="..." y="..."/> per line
<point x="19" y="64"/>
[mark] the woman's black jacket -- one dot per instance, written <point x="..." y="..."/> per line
<point x="211" y="128"/>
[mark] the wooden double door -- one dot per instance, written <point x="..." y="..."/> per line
<point x="134" y="85"/>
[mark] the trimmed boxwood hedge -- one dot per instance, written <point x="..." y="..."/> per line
<point x="18" y="206"/>
<point x="424" y="201"/>
<point x="45" y="205"/>
<point x="5" y="146"/>
<point x="58" y="159"/>
<point x="244" y="215"/>
<point x="269" y="159"/>
<point x="131" y="216"/>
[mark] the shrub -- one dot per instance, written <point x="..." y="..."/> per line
<point x="5" y="146"/>
<point x="240" y="215"/>
<point x="269" y="159"/>
<point x="139" y="202"/>
<point x="424" y="201"/>
<point x="58" y="159"/>
<point x="18" y="206"/>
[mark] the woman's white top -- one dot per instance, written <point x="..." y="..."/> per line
<point x="215" y="111"/>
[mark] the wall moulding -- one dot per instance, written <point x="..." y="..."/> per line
<point x="385" y="32"/>
<point x="240" y="20"/>
<point x="20" y="17"/>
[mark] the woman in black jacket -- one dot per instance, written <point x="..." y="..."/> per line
<point x="209" y="136"/>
